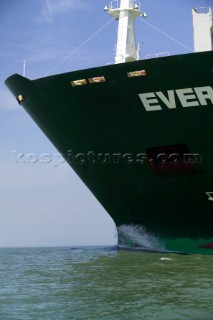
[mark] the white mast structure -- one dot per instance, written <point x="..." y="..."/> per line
<point x="203" y="29"/>
<point x="125" y="11"/>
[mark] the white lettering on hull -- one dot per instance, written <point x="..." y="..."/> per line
<point x="187" y="97"/>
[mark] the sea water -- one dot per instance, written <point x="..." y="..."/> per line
<point x="104" y="283"/>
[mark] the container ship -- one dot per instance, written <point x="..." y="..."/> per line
<point x="138" y="132"/>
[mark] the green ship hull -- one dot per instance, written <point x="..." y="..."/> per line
<point x="142" y="144"/>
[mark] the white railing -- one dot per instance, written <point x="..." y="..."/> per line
<point x="157" y="55"/>
<point x="115" y="4"/>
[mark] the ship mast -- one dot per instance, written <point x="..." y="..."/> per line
<point x="125" y="11"/>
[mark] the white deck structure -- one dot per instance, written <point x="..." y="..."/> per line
<point x="203" y="29"/>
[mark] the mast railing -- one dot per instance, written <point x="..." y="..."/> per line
<point x="115" y="5"/>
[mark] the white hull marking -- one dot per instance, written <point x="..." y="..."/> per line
<point x="187" y="97"/>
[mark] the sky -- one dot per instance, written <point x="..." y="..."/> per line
<point x="47" y="204"/>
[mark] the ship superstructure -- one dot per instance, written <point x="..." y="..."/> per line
<point x="203" y="29"/>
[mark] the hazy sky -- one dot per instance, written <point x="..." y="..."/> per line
<point x="44" y="204"/>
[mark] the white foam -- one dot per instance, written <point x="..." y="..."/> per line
<point x="165" y="259"/>
<point x="135" y="236"/>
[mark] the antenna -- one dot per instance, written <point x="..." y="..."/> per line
<point x="24" y="68"/>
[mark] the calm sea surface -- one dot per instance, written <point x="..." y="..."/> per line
<point x="103" y="283"/>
